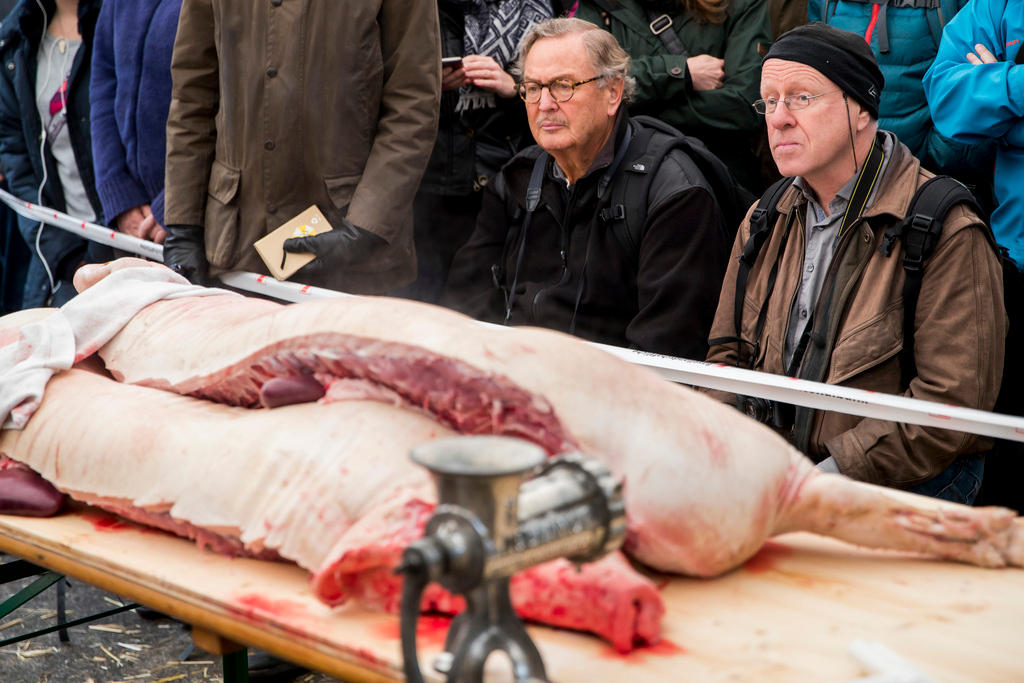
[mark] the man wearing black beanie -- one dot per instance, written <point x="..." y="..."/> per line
<point x="821" y="288"/>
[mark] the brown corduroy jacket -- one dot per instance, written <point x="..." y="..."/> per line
<point x="280" y="105"/>
<point x="958" y="345"/>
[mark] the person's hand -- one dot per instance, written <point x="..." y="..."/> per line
<point x="345" y="244"/>
<point x="150" y="230"/>
<point x="452" y="77"/>
<point x="185" y="252"/>
<point x="981" y="55"/>
<point x="706" y="72"/>
<point x="129" y="221"/>
<point x="487" y="74"/>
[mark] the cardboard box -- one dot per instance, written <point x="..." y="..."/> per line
<point x="281" y="264"/>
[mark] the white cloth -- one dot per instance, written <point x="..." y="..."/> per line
<point x="77" y="330"/>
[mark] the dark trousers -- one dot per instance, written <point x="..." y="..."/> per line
<point x="442" y="224"/>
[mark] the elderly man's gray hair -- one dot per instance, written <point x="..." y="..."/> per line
<point x="605" y="53"/>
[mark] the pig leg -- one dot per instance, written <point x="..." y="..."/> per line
<point x="873" y="516"/>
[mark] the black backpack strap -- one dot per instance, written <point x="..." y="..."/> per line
<point x="625" y="210"/>
<point x="920" y="231"/>
<point x="733" y="199"/>
<point x="1019" y="59"/>
<point x="762" y="221"/>
<point x="532" y="201"/>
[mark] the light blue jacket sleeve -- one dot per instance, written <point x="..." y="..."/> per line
<point x="971" y="103"/>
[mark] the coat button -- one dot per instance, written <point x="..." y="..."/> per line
<point x="271" y="71"/>
<point x="10" y="66"/>
<point x="271" y="208"/>
<point x="675" y="71"/>
<point x="275" y="3"/>
<point x="268" y="145"/>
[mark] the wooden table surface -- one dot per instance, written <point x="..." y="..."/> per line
<point x="789" y="614"/>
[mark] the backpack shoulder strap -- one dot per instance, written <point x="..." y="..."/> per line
<point x="629" y="178"/>
<point x="920" y="231"/>
<point x="762" y="222"/>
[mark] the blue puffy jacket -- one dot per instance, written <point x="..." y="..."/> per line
<point x="905" y="40"/>
<point x="980" y="103"/>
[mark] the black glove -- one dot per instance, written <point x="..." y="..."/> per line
<point x="343" y="245"/>
<point x="185" y="252"/>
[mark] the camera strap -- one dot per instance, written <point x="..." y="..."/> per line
<point x="862" y="189"/>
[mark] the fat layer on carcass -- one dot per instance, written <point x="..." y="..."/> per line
<point x="308" y="483"/>
<point x="704" y="485"/>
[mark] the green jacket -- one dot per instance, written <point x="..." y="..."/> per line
<point x="662" y="82"/>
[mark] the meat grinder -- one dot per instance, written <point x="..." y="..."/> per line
<point x="493" y="520"/>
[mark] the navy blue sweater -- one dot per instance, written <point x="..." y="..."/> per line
<point x="130" y="96"/>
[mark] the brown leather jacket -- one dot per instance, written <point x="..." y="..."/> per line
<point x="280" y="105"/>
<point x="960" y="323"/>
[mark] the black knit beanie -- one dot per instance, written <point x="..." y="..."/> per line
<point x="841" y="56"/>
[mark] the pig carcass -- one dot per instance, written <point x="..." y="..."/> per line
<point x="704" y="486"/>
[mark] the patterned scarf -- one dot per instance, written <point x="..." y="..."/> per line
<point x="494" y="29"/>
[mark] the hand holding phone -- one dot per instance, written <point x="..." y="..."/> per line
<point x="452" y="75"/>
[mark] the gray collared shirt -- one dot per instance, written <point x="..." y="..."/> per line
<point x="820" y="239"/>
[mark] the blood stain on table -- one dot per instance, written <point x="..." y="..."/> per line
<point x="431" y="630"/>
<point x="104" y="521"/>
<point x="663" y="648"/>
<point x="767" y="558"/>
<point x="254" y="604"/>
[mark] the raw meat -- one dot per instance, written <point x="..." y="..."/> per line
<point x="305" y="482"/>
<point x="705" y="486"/>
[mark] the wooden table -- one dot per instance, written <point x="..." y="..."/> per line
<point x="788" y="615"/>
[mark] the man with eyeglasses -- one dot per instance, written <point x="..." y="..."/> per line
<point x="550" y="248"/>
<point x="823" y="295"/>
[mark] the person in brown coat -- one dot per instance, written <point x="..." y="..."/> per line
<point x="282" y="104"/>
<point x="834" y="310"/>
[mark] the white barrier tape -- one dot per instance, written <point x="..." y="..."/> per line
<point x="826" y="396"/>
<point x="250" y="282"/>
<point x="92" y="231"/>
<point x="696" y="373"/>
<point x="269" y="286"/>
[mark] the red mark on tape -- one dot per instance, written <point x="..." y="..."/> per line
<point x="304" y="290"/>
<point x="941" y="417"/>
<point x="83" y="225"/>
<point x="260" y="279"/>
<point x="113" y="235"/>
<point x="55" y="215"/>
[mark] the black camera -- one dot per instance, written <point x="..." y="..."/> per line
<point x="771" y="413"/>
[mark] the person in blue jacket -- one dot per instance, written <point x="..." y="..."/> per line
<point x="45" y="145"/>
<point x="130" y="96"/>
<point x="905" y="39"/>
<point x="975" y="89"/>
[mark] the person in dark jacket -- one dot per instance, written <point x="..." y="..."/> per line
<point x="699" y="72"/>
<point x="45" y="146"/>
<point x="130" y="95"/>
<point x="563" y="268"/>
<point x="482" y="126"/>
